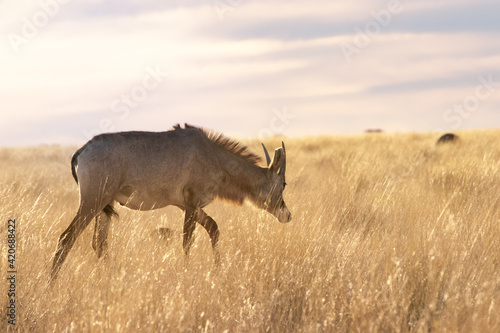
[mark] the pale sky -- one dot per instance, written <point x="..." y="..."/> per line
<point x="71" y="69"/>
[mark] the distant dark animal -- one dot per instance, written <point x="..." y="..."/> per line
<point x="448" y="137"/>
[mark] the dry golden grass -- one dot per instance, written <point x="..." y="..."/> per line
<point x="389" y="234"/>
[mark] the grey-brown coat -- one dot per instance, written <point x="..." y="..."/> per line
<point x="186" y="167"/>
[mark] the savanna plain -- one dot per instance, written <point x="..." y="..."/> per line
<point x="390" y="233"/>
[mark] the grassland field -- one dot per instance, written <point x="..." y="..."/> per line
<point x="390" y="233"/>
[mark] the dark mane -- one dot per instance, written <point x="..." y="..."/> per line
<point x="225" y="143"/>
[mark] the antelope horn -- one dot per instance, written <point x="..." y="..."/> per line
<point x="283" y="167"/>
<point x="268" y="159"/>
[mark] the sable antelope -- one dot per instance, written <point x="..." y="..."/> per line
<point x="186" y="167"/>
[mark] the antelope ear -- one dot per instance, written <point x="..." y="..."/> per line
<point x="278" y="160"/>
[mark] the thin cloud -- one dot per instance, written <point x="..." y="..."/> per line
<point x="231" y="72"/>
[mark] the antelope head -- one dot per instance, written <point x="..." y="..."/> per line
<point x="272" y="192"/>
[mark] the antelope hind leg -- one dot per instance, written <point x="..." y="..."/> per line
<point x="67" y="240"/>
<point x="100" y="239"/>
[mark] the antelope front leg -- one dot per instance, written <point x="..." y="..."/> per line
<point x="213" y="231"/>
<point x="189" y="225"/>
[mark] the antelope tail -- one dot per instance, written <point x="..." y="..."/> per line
<point x="74" y="163"/>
